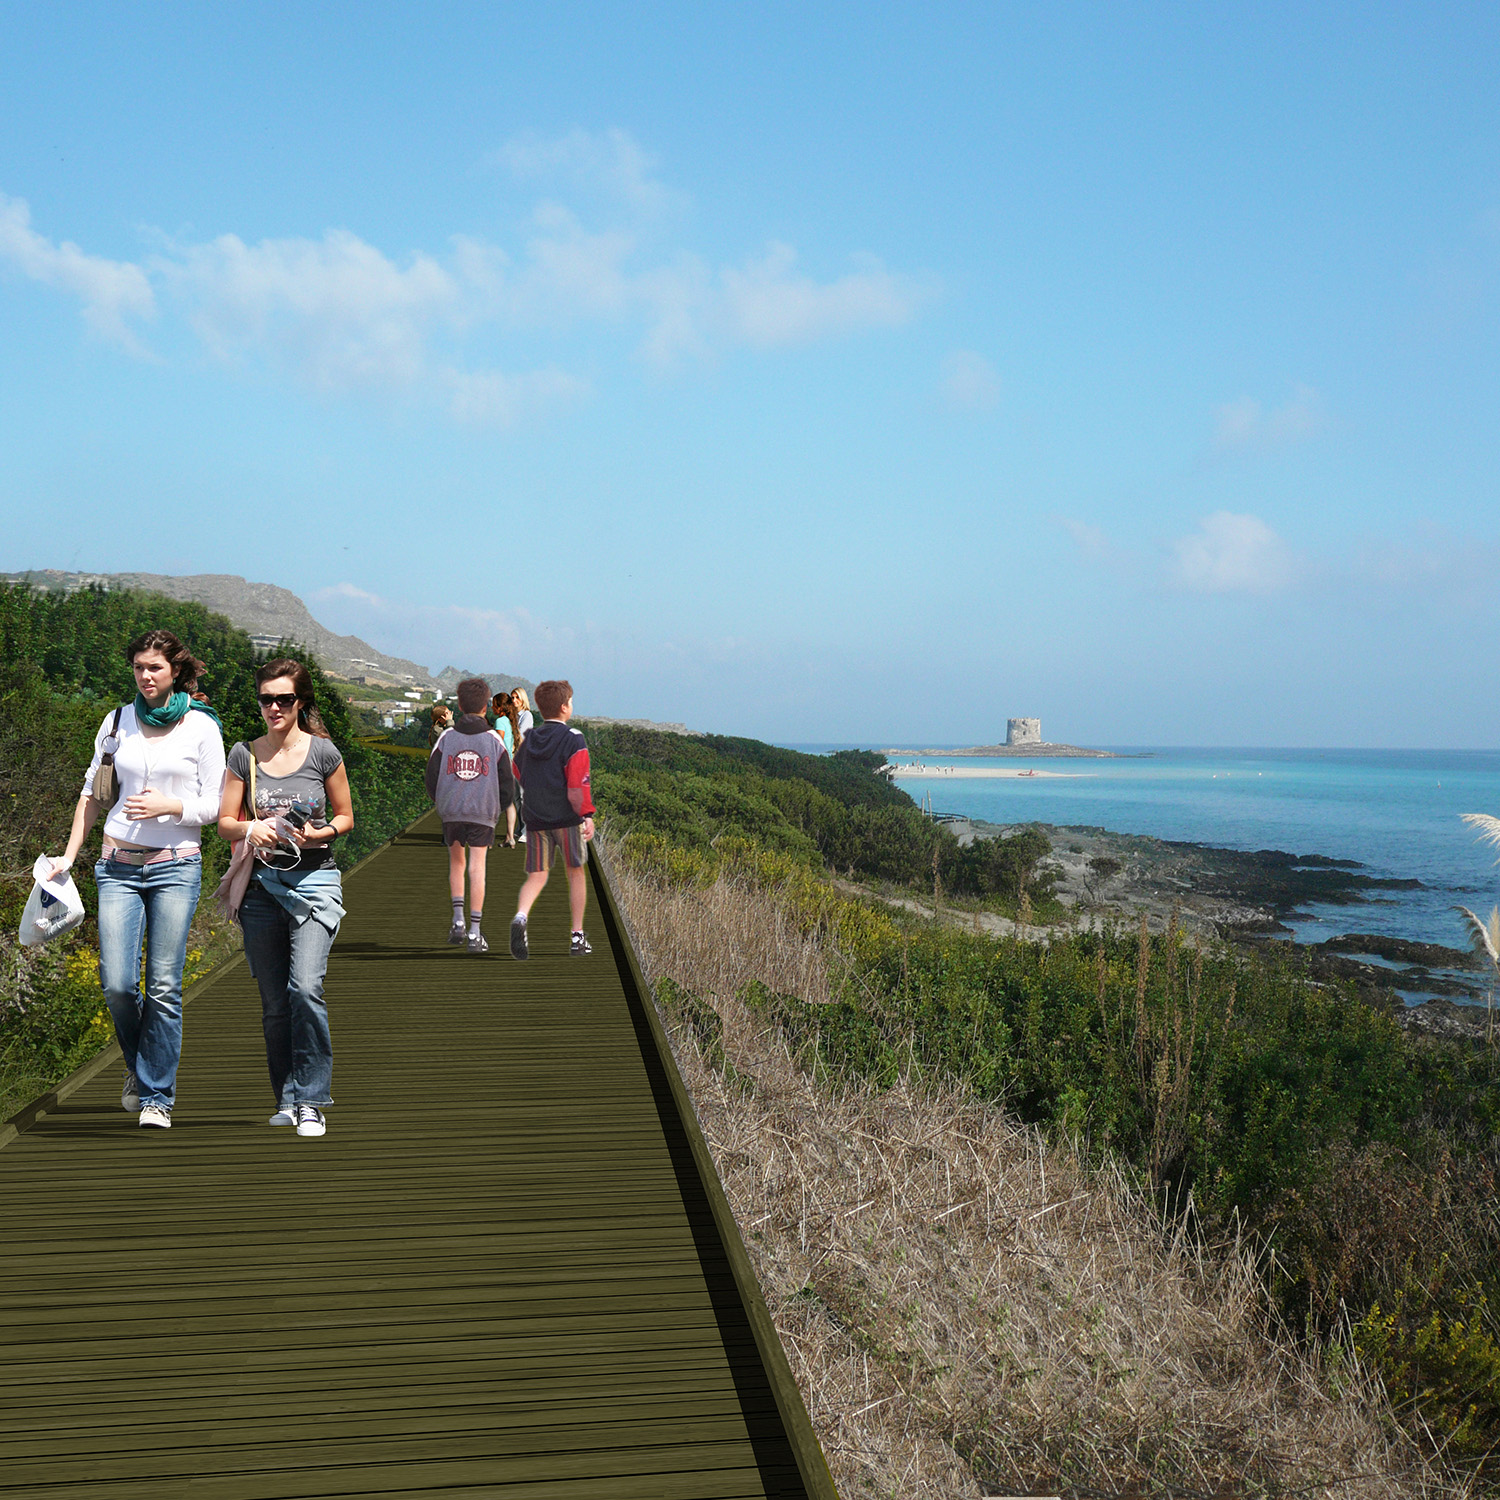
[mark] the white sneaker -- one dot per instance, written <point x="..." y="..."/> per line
<point x="310" y="1120"/>
<point x="154" y="1114"/>
<point x="130" y="1094"/>
<point x="286" y="1115"/>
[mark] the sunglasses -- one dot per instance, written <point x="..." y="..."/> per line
<point x="281" y="700"/>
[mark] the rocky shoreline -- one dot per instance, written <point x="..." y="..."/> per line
<point x="1243" y="898"/>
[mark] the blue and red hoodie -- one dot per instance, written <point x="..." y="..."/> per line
<point x="552" y="764"/>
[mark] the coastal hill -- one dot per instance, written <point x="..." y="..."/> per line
<point x="269" y="614"/>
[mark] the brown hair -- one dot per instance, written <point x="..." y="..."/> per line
<point x="505" y="703"/>
<point x="472" y="694"/>
<point x="550" y="696"/>
<point x="186" y="668"/>
<point x="307" y="709"/>
<point x="441" y="714"/>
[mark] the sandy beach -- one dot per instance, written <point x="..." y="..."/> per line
<point x="958" y="773"/>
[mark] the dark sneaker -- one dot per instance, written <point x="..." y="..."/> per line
<point x="579" y="946"/>
<point x="477" y="943"/>
<point x="310" y="1120"/>
<point x="130" y="1094"/>
<point x="456" y="934"/>
<point x="518" y="945"/>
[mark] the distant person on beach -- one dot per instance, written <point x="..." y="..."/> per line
<point x="469" y="778"/>
<point x="442" y="718"/>
<point x="553" y="766"/>
<point x="293" y="784"/>
<point x="167" y="763"/>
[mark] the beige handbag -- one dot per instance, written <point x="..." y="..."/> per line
<point x="106" y="778"/>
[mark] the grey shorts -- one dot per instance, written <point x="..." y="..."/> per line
<point x="544" y="844"/>
<point x="473" y="835"/>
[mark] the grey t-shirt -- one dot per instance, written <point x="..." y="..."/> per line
<point x="308" y="784"/>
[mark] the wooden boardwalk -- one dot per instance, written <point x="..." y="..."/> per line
<point x="501" y="1273"/>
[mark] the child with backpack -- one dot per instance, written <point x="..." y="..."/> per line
<point x="469" y="778"/>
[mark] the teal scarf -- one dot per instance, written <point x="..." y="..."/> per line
<point x="171" y="711"/>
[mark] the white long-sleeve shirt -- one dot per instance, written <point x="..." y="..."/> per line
<point x="187" y="763"/>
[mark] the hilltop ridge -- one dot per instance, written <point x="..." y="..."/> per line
<point x="269" y="613"/>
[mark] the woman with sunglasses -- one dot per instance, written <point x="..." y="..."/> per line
<point x="168" y="763"/>
<point x="293" y="907"/>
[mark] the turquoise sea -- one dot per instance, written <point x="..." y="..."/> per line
<point x="1395" y="811"/>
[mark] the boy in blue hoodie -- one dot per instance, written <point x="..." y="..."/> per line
<point x="469" y="778"/>
<point x="553" y="765"/>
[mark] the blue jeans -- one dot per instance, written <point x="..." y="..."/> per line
<point x="289" y="963"/>
<point x="154" y="903"/>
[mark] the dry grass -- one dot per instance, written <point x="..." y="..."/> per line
<point x="972" y="1311"/>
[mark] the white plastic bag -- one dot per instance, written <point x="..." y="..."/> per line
<point x="53" y="908"/>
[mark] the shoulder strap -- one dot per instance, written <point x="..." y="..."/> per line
<point x="248" y="805"/>
<point x="108" y="758"/>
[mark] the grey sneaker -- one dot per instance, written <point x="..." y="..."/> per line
<point x="130" y="1094"/>
<point x="579" y="947"/>
<point x="154" y="1114"/>
<point x="310" y="1120"/>
<point x="518" y="945"/>
<point x="286" y="1115"/>
<point x="456" y="934"/>
<point x="477" y="943"/>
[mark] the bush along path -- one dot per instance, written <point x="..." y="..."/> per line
<point x="1361" y="1162"/>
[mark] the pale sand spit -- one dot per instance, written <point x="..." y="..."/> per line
<point x="956" y="773"/>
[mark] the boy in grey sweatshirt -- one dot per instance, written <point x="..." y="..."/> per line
<point x="469" y="777"/>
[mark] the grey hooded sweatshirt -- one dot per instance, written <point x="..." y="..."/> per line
<point x="469" y="775"/>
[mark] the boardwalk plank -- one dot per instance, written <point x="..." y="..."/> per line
<point x="484" y="1281"/>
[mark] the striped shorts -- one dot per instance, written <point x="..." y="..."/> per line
<point x="544" y="844"/>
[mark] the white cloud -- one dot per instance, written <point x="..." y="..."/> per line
<point x="337" y="308"/>
<point x="347" y="591"/>
<point x="1232" y="554"/>
<point x="1245" y="425"/>
<point x="491" y="399"/>
<point x="343" y="316"/>
<point x="1092" y="542"/>
<point x="1431" y="563"/>
<point x="970" y="381"/>
<point x="110" y="290"/>
<point x="767" y="304"/>
<point x="611" y="162"/>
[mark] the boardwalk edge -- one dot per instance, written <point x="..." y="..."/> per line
<point x="812" y="1466"/>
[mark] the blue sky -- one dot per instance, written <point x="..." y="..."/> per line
<point x="811" y="372"/>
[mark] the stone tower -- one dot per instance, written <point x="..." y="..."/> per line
<point x="1023" y="731"/>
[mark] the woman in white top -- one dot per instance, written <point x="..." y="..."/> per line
<point x="170" y="764"/>
<point x="523" y="722"/>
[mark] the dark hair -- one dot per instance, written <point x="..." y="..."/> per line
<point x="307" y="709"/>
<point x="472" y="694"/>
<point x="550" y="696"/>
<point x="186" y="668"/>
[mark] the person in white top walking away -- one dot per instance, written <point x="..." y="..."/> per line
<point x="169" y="762"/>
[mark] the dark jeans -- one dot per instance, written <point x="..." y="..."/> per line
<point x="289" y="963"/>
